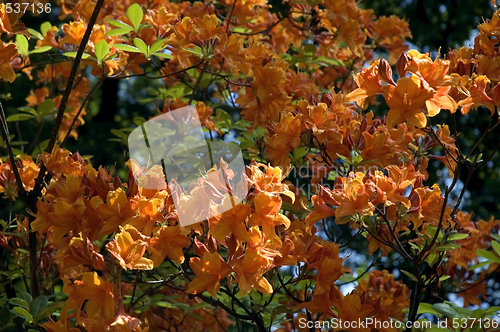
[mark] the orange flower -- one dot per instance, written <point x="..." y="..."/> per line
<point x="10" y="23"/>
<point x="64" y="212"/>
<point x="129" y="247"/>
<point x="268" y="182"/>
<point x="266" y="214"/>
<point x="329" y="272"/>
<point x="431" y="202"/>
<point x="7" y="53"/>
<point x="98" y="295"/>
<point x="321" y="209"/>
<point x="209" y="272"/>
<point x="368" y="82"/>
<point x="354" y="197"/>
<point x="406" y="101"/>
<point x="168" y="241"/>
<point x="232" y="222"/>
<point x="73" y="33"/>
<point x="78" y="253"/>
<point x="250" y="269"/>
<point x="350" y="309"/>
<point x="115" y="211"/>
<point x="472" y="291"/>
<point x="477" y="96"/>
<point x="381" y="286"/>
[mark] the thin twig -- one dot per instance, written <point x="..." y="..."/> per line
<point x="6" y="134"/>
<point x="84" y="102"/>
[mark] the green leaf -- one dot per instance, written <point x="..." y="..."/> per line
<point x="120" y="24"/>
<point x="19" y="117"/>
<point x="42" y="49"/>
<point x="134" y="13"/>
<point x="445" y="247"/>
<point x="23" y="313"/>
<point x="443" y="278"/>
<point x="157" y="46"/>
<point x="35" y="33"/>
<point x="165" y="304"/>
<point x="118" y="32"/>
<point x="431" y="230"/>
<point x="19" y="302"/>
<point x="141" y="45"/>
<point x="310" y="49"/>
<point x="45" y="108"/>
<point x="344" y="158"/>
<point x="477" y="266"/>
<point x="327" y="61"/>
<point x="457" y="237"/>
<point x="196" y="50"/>
<point x="426" y="308"/>
<point x="162" y="55"/>
<point x="18" y="143"/>
<point x="22" y="44"/>
<point x="38" y="305"/>
<point x="46" y="26"/>
<point x="27" y="109"/>
<point x="139" y="120"/>
<point x="492" y="310"/>
<point x="483" y="253"/>
<point x="101" y="50"/>
<point x="445" y="310"/>
<point x="40" y="148"/>
<point x="289" y="207"/>
<point x="496" y="246"/>
<point x="126" y="48"/>
<point x="85" y="56"/>
<point x="241" y="30"/>
<point x="412" y="277"/>
<point x="120" y="134"/>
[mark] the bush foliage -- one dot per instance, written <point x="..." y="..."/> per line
<point x="344" y="131"/>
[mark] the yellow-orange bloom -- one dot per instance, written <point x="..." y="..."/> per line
<point x="406" y="101"/>
<point x="209" y="272"/>
<point x="129" y="247"/>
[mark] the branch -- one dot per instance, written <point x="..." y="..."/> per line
<point x="98" y="83"/>
<point x="6" y="134"/>
<point x="72" y="75"/>
<point x="401" y="250"/>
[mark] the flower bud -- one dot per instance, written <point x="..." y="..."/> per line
<point x="401" y="65"/>
<point x="385" y="72"/>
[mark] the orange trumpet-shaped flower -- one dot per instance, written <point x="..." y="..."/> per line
<point x="266" y="214"/>
<point x="232" y="222"/>
<point x="7" y="53"/>
<point x="350" y="309"/>
<point x="115" y="211"/>
<point x="129" y="247"/>
<point x="73" y="33"/>
<point x="168" y="241"/>
<point x="477" y="96"/>
<point x="406" y="101"/>
<point x="321" y="209"/>
<point x="353" y="198"/>
<point x="250" y="270"/>
<point x="98" y="294"/>
<point x="368" y="82"/>
<point x="329" y="272"/>
<point x="209" y="272"/>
